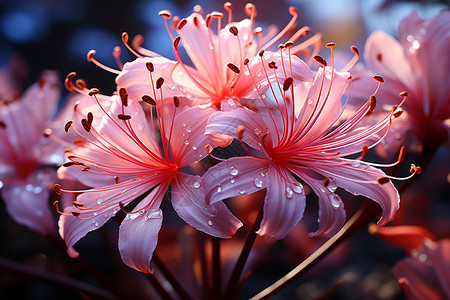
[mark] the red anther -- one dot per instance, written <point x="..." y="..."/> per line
<point x="138" y="40"/>
<point x="125" y="37"/>
<point x="415" y="169"/>
<point x="86" y="125"/>
<point x="175" y="22"/>
<point x="75" y="213"/>
<point x="67" y="126"/>
<point x="47" y="131"/>
<point x="69" y="164"/>
<point x="320" y="60"/>
<point x="289" y="44"/>
<point x="123" y="96"/>
<point x="228" y="6"/>
<point x="273" y="65"/>
<point x="281" y="46"/>
<point x="149" y="66"/>
<point x="234" y="30"/>
<point x="198" y="9"/>
<point x="287" y="83"/>
<point x="293" y="11"/>
<point x="182" y="23"/>
<point x="217" y="14"/>
<point x="80" y="83"/>
<point x="250" y="9"/>
<point x="90" y="118"/>
<point x="176" y="42"/>
<point x="195" y="21"/>
<point x="233" y="68"/>
<point x="378" y="78"/>
<point x="57" y="189"/>
<point x="364" y="152"/>
<point x="93" y="91"/>
<point x="397" y="112"/>
<point x="149" y="100"/>
<point x="176" y="101"/>
<point x="331" y="45"/>
<point x="68" y="81"/>
<point x="117" y="51"/>
<point x="240" y="132"/>
<point x="90" y="55"/>
<point x="379" y="57"/>
<point x="402" y="154"/>
<point x="123" y="117"/>
<point x="373" y="103"/>
<point x="42" y="82"/>
<point x="208" y="20"/>
<point x="246" y="61"/>
<point x="165" y="13"/>
<point x="117" y="179"/>
<point x="261" y="53"/>
<point x="403" y="94"/>
<point x="383" y="180"/>
<point x="354" y="49"/>
<point x="159" y="82"/>
<point x="78" y="204"/>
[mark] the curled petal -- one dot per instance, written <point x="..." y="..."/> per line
<point x="189" y="202"/>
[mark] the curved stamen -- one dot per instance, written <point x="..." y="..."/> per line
<point x="90" y="58"/>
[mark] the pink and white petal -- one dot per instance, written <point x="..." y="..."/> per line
<point x="27" y="201"/>
<point x="188" y="201"/>
<point x="331" y="208"/>
<point x="385" y="55"/>
<point x="138" y="233"/>
<point x="438" y="256"/>
<point x="104" y="205"/>
<point x="188" y="140"/>
<point x="284" y="204"/>
<point x="227" y="122"/>
<point x="87" y="178"/>
<point x="359" y="178"/>
<point x="233" y="177"/>
<point x="135" y="78"/>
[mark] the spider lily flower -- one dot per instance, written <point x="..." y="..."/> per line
<point x="425" y="273"/>
<point x="217" y="58"/>
<point x="120" y="158"/>
<point x="297" y="140"/>
<point x="25" y="176"/>
<point x="418" y="63"/>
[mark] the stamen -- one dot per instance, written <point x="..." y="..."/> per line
<point x="198" y="9"/>
<point x="57" y="188"/>
<point x="373" y="103"/>
<point x="149" y="66"/>
<point x="165" y="13"/>
<point x="182" y="23"/>
<point x="90" y="118"/>
<point x="80" y="83"/>
<point x="415" y="169"/>
<point x="90" y="58"/>
<point x="93" y="91"/>
<point x="320" y="60"/>
<point x="287" y="83"/>
<point x="116" y="54"/>
<point x="86" y="125"/>
<point x="123" y="117"/>
<point x="117" y="179"/>
<point x="233" y="68"/>
<point x="176" y="101"/>
<point x="402" y="154"/>
<point x="383" y="180"/>
<point x="123" y="96"/>
<point x="240" y="132"/>
<point x="159" y="82"/>
<point x="378" y="78"/>
<point x="68" y="81"/>
<point x="176" y="42"/>
<point x="229" y="8"/>
<point x="353" y="61"/>
<point x="125" y="38"/>
<point x="149" y="100"/>
<point x="67" y="126"/>
<point x="234" y="31"/>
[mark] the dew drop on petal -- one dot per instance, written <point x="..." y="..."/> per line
<point x="332" y="185"/>
<point x="194" y="147"/>
<point x="188" y="129"/>
<point x="197" y="184"/>
<point x="289" y="192"/>
<point x="335" y="201"/>
<point x="219" y="189"/>
<point x="99" y="201"/>
<point x="232" y="180"/>
<point x="310" y="101"/>
<point x="298" y="189"/>
<point x="234" y="171"/>
<point x="262" y="174"/>
<point x="210" y="222"/>
<point x="258" y="72"/>
<point x="257" y="131"/>
<point x="258" y="182"/>
<point x="95" y="223"/>
<point x="241" y="192"/>
<point x="140" y="126"/>
<point x="186" y="141"/>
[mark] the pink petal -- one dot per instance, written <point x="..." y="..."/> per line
<point x="284" y="204"/>
<point x="138" y="233"/>
<point x="189" y="202"/>
<point x="359" y="178"/>
<point x="188" y="139"/>
<point x="27" y="201"/>
<point x="331" y="208"/>
<point x="233" y="177"/>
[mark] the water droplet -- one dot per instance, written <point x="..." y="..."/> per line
<point x="95" y="214"/>
<point x="234" y="171"/>
<point x="422" y="257"/>
<point x="186" y="141"/>
<point x="289" y="192"/>
<point x="1" y="184"/>
<point x="335" y="201"/>
<point x="310" y="101"/>
<point x="298" y="189"/>
<point x="358" y="165"/>
<point x="188" y="129"/>
<point x="262" y="174"/>
<point x="332" y="185"/>
<point x="258" y="72"/>
<point x="184" y="125"/>
<point x="231" y="102"/>
<point x="29" y="187"/>
<point x="257" y="131"/>
<point x="210" y="222"/>
<point x="410" y="38"/>
<point x="99" y="201"/>
<point x="258" y="182"/>
<point x="140" y="126"/>
<point x="219" y="189"/>
<point x="232" y="180"/>
<point x="194" y="147"/>
<point x="197" y="184"/>
<point x="95" y="223"/>
<point x="241" y="192"/>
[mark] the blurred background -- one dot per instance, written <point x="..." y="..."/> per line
<point x="57" y="34"/>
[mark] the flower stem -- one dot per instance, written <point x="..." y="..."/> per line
<point x="365" y="214"/>
<point x="158" y="287"/>
<point x="231" y="288"/>
<point x="216" y="268"/>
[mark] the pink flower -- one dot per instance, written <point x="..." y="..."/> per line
<point x="425" y="274"/>
<point x="296" y="140"/>
<point x="25" y="176"/>
<point x="419" y="64"/>
<point x="216" y="58"/>
<point x="121" y="159"/>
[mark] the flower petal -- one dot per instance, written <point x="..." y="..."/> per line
<point x="189" y="202"/>
<point x="284" y="204"/>
<point x="233" y="177"/>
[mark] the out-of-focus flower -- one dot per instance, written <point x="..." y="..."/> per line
<point x="25" y="176"/>
<point x="297" y="139"/>
<point x="425" y="274"/>
<point x="217" y="58"/>
<point x="419" y="63"/>
<point x="120" y="157"/>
